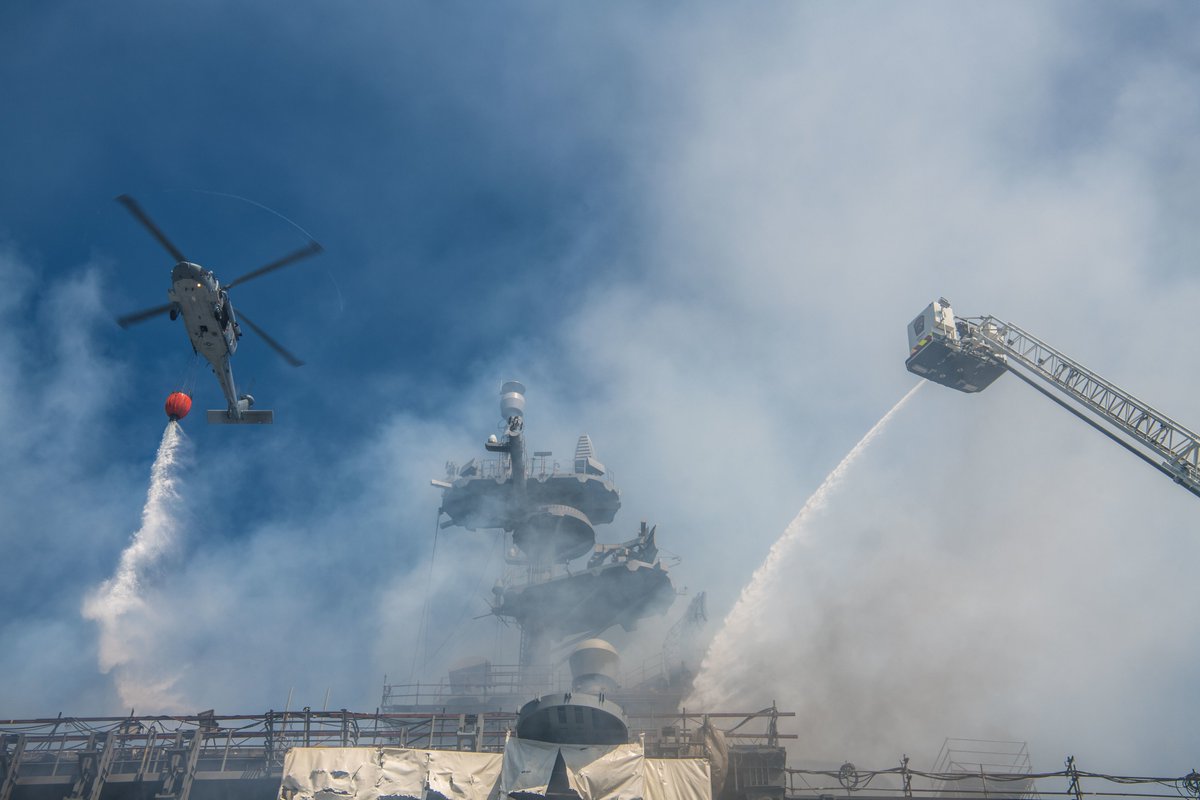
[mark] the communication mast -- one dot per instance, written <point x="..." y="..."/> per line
<point x="550" y="517"/>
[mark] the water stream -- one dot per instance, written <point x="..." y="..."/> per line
<point x="718" y="680"/>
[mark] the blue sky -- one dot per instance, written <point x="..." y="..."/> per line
<point x="697" y="235"/>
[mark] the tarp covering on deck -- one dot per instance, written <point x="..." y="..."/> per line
<point x="593" y="772"/>
<point x="677" y="779"/>
<point x="388" y="773"/>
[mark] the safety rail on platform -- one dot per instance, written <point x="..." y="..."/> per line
<point x="145" y="745"/>
<point x="648" y="680"/>
<point x="482" y="684"/>
<point x="266" y="737"/>
<point x="500" y="469"/>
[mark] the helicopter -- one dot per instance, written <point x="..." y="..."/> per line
<point x="209" y="318"/>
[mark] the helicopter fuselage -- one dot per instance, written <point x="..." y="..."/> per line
<point x="208" y="316"/>
<point x="207" y="313"/>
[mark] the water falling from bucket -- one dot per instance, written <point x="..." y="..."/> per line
<point x="119" y="604"/>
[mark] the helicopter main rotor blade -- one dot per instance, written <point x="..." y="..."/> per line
<point x="276" y="346"/>
<point x="136" y="210"/>
<point x="311" y="249"/>
<point x="142" y="316"/>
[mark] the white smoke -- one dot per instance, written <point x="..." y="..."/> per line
<point x="121" y="605"/>
<point x="788" y="187"/>
<point x="722" y="677"/>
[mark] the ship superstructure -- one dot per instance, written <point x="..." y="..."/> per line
<point x="550" y="516"/>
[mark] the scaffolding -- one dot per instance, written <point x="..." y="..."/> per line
<point x="208" y="755"/>
<point x="241" y="756"/>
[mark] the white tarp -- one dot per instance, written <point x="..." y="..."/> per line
<point x="330" y="773"/>
<point x="401" y="774"/>
<point x="464" y="776"/>
<point x="527" y="767"/>
<point x="607" y="773"/>
<point x="388" y="773"/>
<point x="677" y="779"/>
<point x="617" y="772"/>
<point x="595" y="772"/>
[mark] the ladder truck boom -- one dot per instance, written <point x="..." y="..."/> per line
<point x="969" y="353"/>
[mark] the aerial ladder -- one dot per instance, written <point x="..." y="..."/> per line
<point x="969" y="353"/>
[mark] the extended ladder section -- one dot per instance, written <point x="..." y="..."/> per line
<point x="969" y="353"/>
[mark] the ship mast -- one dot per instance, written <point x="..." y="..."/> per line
<point x="551" y="518"/>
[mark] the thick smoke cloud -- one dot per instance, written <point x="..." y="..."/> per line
<point x="836" y="174"/>
<point x="726" y="670"/>
<point x="794" y="185"/>
<point x="64" y="501"/>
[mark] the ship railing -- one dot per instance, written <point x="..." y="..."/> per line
<point x="671" y="730"/>
<point x="538" y="467"/>
<point x="654" y="670"/>
<point x="242" y="746"/>
<point x="904" y="782"/>
<point x="502" y="682"/>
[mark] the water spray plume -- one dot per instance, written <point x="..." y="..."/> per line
<point x="718" y="679"/>
<point x="119" y="604"/>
